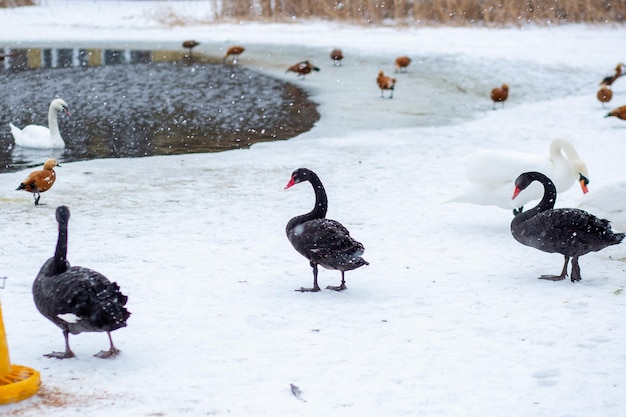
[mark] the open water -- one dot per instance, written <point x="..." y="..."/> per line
<point x="143" y="103"/>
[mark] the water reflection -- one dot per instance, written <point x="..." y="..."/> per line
<point x="128" y="103"/>
<point x="34" y="58"/>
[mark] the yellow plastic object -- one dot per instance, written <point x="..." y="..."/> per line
<point x="16" y="382"/>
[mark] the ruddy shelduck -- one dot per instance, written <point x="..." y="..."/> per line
<point x="500" y="94"/>
<point x="40" y="181"/>
<point x="302" y="68"/>
<point x="190" y="44"/>
<point x="604" y="94"/>
<point x="233" y="52"/>
<point x="618" y="73"/>
<point x="337" y="56"/>
<point x="385" y="83"/>
<point x="619" y="112"/>
<point x="401" y="63"/>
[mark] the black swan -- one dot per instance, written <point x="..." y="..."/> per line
<point x="322" y="241"/>
<point x="568" y="231"/>
<point x="77" y="299"/>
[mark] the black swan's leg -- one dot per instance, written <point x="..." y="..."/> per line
<point x="340" y="287"/>
<point x="316" y="287"/>
<point x="518" y="210"/>
<point x="68" y="352"/>
<point x="575" y="270"/>
<point x="563" y="273"/>
<point x="113" y="351"/>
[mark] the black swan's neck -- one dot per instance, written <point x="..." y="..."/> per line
<point x="60" y="254"/>
<point x="549" y="194"/>
<point x="321" y="204"/>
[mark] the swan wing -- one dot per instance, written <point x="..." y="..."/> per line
<point x="33" y="136"/>
<point x="88" y="297"/>
<point x="498" y="194"/>
<point x="607" y="197"/>
<point x="491" y="166"/>
<point x="608" y="201"/>
<point x="567" y="231"/>
<point x="328" y="243"/>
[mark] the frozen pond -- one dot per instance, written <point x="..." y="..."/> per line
<point x="142" y="103"/>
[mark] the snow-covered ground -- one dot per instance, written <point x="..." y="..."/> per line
<point x="449" y="318"/>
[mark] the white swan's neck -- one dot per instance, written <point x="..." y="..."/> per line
<point x="559" y="145"/>
<point x="53" y="125"/>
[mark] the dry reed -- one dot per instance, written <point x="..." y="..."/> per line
<point x="406" y="12"/>
<point x="16" y="3"/>
<point x="447" y="12"/>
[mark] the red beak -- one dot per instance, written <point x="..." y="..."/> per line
<point x="516" y="192"/>
<point x="291" y="183"/>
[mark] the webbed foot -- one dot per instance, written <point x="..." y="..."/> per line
<point x="337" y="288"/>
<point x="553" y="277"/>
<point x="103" y="354"/>
<point x="60" y="355"/>
<point x="302" y="289"/>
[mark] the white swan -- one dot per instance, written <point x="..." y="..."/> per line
<point x="493" y="174"/>
<point x="41" y="137"/>
<point x="607" y="201"/>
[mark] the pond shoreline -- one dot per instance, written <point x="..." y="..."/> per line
<point x="147" y="107"/>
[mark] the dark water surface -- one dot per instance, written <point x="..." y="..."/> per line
<point x="141" y="103"/>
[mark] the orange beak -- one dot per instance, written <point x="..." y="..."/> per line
<point x="583" y="183"/>
<point x="583" y="186"/>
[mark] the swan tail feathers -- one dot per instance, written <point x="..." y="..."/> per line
<point x="15" y="131"/>
<point x="111" y="313"/>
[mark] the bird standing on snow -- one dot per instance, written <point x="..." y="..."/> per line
<point x="77" y="299"/>
<point x="233" y="52"/>
<point x="500" y="94"/>
<point x="401" y="63"/>
<point x="322" y="241"/>
<point x="41" y="137"/>
<point x="568" y="231"/>
<point x="611" y="78"/>
<point x="619" y="112"/>
<point x="190" y="44"/>
<point x="385" y="83"/>
<point x="40" y="181"/>
<point x="604" y="94"/>
<point x="302" y="68"/>
<point x="337" y="56"/>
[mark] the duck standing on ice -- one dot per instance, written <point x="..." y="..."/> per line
<point x="40" y="181"/>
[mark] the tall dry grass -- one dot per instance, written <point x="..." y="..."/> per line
<point x="16" y="3"/>
<point x="406" y="12"/>
<point x="448" y="12"/>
